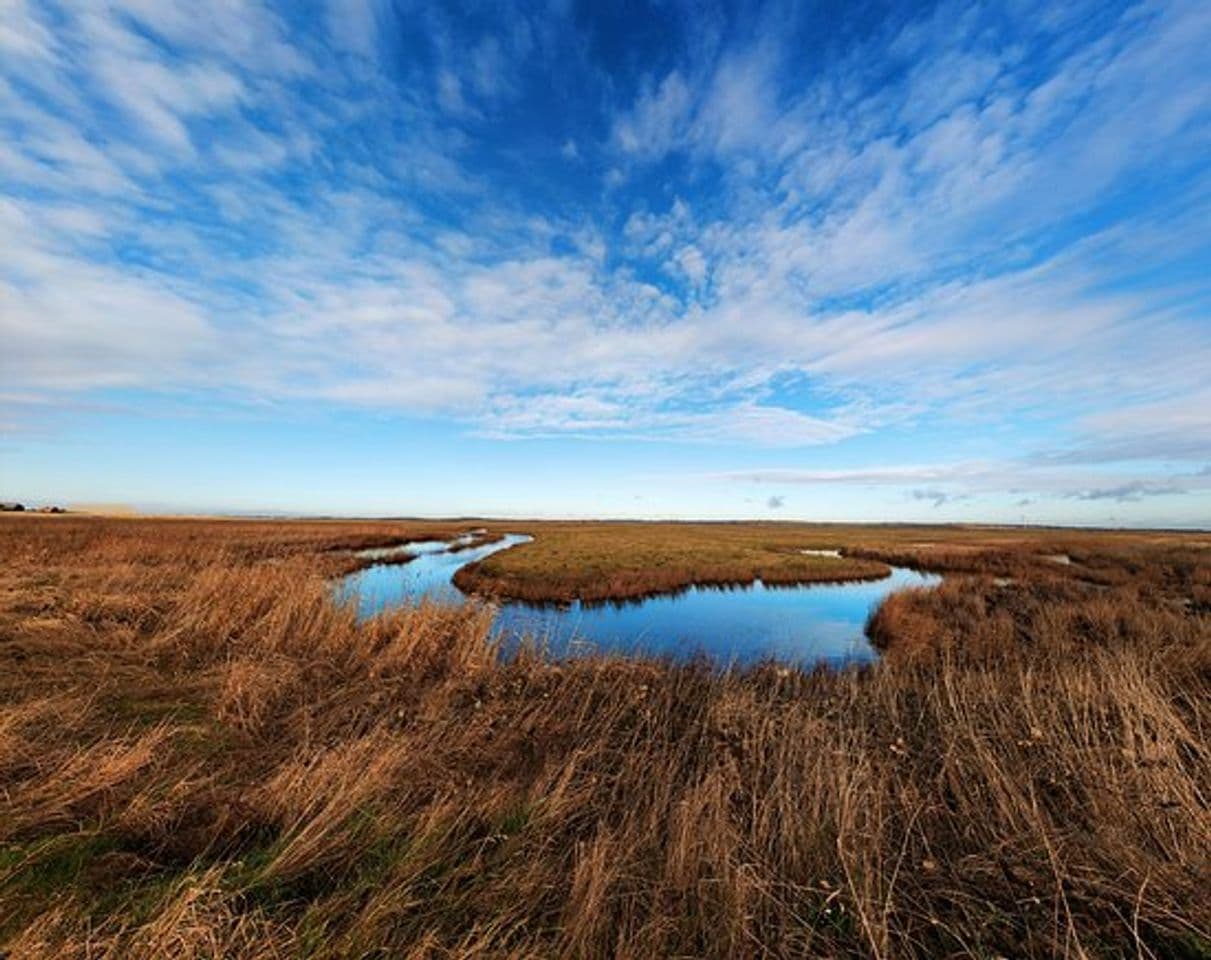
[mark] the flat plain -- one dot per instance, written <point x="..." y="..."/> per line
<point x="203" y="755"/>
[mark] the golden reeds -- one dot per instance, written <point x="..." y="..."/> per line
<point x="201" y="755"/>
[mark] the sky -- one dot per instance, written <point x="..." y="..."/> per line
<point x="823" y="260"/>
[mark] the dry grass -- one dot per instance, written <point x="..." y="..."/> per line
<point x="614" y="561"/>
<point x="201" y="756"/>
<point x="610" y="561"/>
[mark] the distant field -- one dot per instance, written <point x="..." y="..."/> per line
<point x="602" y="561"/>
<point x="202" y="755"/>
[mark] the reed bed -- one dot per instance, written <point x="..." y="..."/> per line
<point x="201" y="755"/>
<point x="597" y="562"/>
<point x="628" y="560"/>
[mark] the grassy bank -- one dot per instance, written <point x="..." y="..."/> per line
<point x="614" y="561"/>
<point x="607" y="561"/>
<point x="201" y="756"/>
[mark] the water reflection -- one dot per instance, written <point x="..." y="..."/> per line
<point x="804" y="624"/>
<point x="428" y="576"/>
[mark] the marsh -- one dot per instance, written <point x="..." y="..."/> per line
<point x="801" y="624"/>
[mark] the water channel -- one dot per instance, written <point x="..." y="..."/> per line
<point x="803" y="625"/>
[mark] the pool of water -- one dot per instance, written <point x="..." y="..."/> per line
<point x="428" y="576"/>
<point x="806" y="624"/>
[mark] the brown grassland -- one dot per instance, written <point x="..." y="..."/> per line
<point x="202" y="755"/>
<point x="615" y="561"/>
<point x="619" y="560"/>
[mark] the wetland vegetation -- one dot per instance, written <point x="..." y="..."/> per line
<point x="730" y="624"/>
<point x="618" y="561"/>
<point x="203" y="755"/>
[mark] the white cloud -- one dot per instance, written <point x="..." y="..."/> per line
<point x="353" y="25"/>
<point x="22" y="33"/>
<point x="841" y="239"/>
<point x="657" y="120"/>
<point x="693" y="263"/>
<point x="489" y="70"/>
<point x="247" y="33"/>
<point x="945" y="483"/>
<point x="162" y="99"/>
<point x="1167" y="430"/>
<point x="450" y="93"/>
<point x="72" y="325"/>
<point x="739" y="110"/>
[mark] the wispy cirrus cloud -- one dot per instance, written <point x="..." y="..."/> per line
<point x="947" y="483"/>
<point x="1128" y="492"/>
<point x="966" y="216"/>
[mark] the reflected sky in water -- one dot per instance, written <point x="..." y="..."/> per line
<point x="803" y="625"/>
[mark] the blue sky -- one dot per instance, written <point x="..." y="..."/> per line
<point x="824" y="260"/>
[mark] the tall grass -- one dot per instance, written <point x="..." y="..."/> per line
<point x="202" y="756"/>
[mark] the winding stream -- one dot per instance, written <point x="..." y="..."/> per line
<point x="805" y="624"/>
